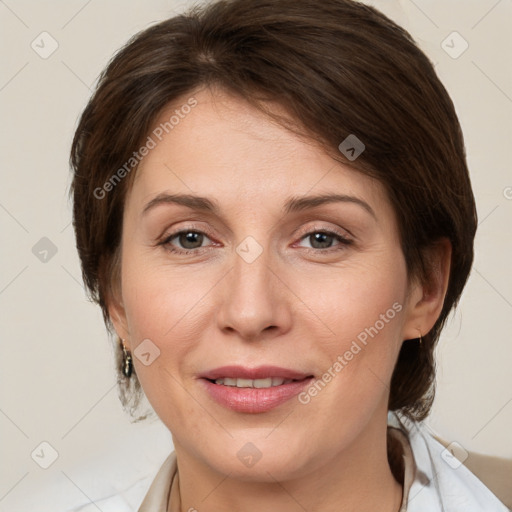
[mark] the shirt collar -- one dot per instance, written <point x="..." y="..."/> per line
<point x="440" y="482"/>
<point x="432" y="480"/>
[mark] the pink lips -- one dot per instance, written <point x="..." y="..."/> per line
<point x="254" y="400"/>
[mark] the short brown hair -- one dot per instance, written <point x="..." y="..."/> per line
<point x="338" y="67"/>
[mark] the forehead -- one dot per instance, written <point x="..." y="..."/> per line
<point x="226" y="148"/>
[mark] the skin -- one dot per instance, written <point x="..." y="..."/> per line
<point x="299" y="305"/>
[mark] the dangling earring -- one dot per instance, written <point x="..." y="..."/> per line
<point x="127" y="362"/>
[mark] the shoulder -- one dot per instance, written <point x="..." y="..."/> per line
<point x="441" y="482"/>
<point x="494" y="472"/>
<point x="148" y="494"/>
<point x="125" y="500"/>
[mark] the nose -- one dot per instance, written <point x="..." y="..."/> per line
<point x="256" y="301"/>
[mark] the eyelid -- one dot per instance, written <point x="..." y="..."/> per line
<point x="343" y="233"/>
<point x="300" y="233"/>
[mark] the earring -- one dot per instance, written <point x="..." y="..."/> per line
<point x="127" y="362"/>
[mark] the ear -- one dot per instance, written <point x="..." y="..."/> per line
<point x="426" y="299"/>
<point x="117" y="315"/>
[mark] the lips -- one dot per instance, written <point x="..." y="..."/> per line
<point x="253" y="400"/>
<point x="261" y="372"/>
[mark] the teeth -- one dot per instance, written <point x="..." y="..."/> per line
<point x="253" y="383"/>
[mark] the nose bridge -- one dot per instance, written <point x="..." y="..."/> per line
<point x="252" y="301"/>
<point x="251" y="265"/>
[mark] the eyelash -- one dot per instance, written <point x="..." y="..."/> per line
<point x="341" y="238"/>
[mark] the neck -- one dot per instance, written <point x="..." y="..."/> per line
<point x="357" y="478"/>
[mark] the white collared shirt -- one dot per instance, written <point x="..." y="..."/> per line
<point x="434" y="481"/>
<point x="439" y="482"/>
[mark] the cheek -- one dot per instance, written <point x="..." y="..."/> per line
<point x="165" y="312"/>
<point x="171" y="307"/>
<point x="350" y="315"/>
<point x="350" y="301"/>
<point x="362" y="312"/>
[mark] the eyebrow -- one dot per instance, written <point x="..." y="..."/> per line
<point x="294" y="204"/>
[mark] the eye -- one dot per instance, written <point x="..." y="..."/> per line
<point x="190" y="241"/>
<point x="323" y="240"/>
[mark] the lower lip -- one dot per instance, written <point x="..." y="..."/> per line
<point x="254" y="400"/>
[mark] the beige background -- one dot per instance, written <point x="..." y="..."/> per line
<point x="56" y="365"/>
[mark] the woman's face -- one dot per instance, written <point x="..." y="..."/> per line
<point x="257" y="274"/>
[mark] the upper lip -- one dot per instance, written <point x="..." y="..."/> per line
<point x="260" y="372"/>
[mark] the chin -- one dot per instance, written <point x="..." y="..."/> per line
<point x="258" y="461"/>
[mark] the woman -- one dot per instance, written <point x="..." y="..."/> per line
<point x="273" y="209"/>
